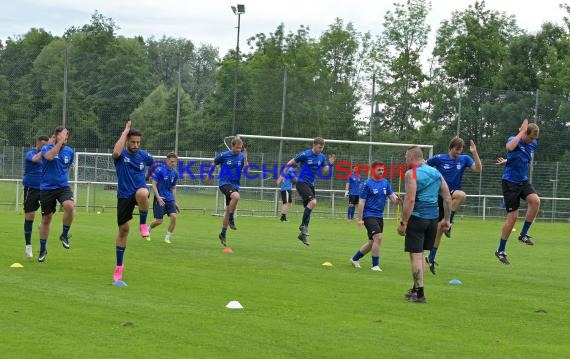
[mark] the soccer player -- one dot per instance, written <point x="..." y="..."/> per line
<point x="57" y="157"/>
<point x="352" y="190"/>
<point x="231" y="163"/>
<point x="516" y="186"/>
<point x="310" y="163"/>
<point x="452" y="165"/>
<point x="420" y="216"/>
<point x="164" y="179"/>
<point x="130" y="164"/>
<point x="285" y="184"/>
<point x="31" y="180"/>
<point x="372" y="200"/>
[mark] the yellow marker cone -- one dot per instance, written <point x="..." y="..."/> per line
<point x="327" y="264"/>
<point x="16" y="265"/>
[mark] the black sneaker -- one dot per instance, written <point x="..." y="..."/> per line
<point x="526" y="239"/>
<point x="448" y="232"/>
<point x="431" y="265"/>
<point x="283" y="219"/>
<point x="222" y="239"/>
<point x="412" y="297"/>
<point x="303" y="238"/>
<point x="65" y="241"/>
<point x="233" y="225"/>
<point x="42" y="256"/>
<point x="502" y="257"/>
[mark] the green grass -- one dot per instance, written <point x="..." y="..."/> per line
<point x="174" y="305"/>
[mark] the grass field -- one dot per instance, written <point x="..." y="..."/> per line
<point x="174" y="305"/>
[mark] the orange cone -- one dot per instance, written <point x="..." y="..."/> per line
<point x="228" y="250"/>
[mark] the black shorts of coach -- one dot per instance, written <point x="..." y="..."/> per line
<point x="374" y="225"/>
<point x="227" y="190"/>
<point x="306" y="191"/>
<point x="353" y="199"/>
<point x="31" y="199"/>
<point x="420" y="234"/>
<point x="514" y="192"/>
<point x="50" y="197"/>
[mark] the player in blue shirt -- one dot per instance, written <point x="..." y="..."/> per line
<point x="420" y="215"/>
<point x="452" y="165"/>
<point x="372" y="200"/>
<point x="164" y="179"/>
<point x="352" y="191"/>
<point x="231" y="163"/>
<point x="54" y="187"/>
<point x="285" y="184"/>
<point x="32" y="177"/>
<point x="130" y="164"/>
<point x="310" y="164"/>
<point x="516" y="186"/>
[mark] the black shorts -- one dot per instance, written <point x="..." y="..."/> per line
<point x="440" y="206"/>
<point x="420" y="234"/>
<point x="353" y="199"/>
<point x="374" y="225"/>
<point x="514" y="192"/>
<point x="227" y="190"/>
<point x="125" y="208"/>
<point x="159" y="211"/>
<point x="306" y="191"/>
<point x="286" y="196"/>
<point x="50" y="197"/>
<point x="31" y="199"/>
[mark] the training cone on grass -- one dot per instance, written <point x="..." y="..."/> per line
<point x="327" y="264"/>
<point x="228" y="250"/>
<point x="455" y="281"/>
<point x="16" y="265"/>
<point x="234" y="304"/>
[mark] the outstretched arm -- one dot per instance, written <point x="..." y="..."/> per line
<point x="477" y="166"/>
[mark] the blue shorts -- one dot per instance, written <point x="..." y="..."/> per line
<point x="159" y="211"/>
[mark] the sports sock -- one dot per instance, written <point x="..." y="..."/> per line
<point x="224" y="230"/>
<point x="375" y="261"/>
<point x="28" y="231"/>
<point x="65" y="230"/>
<point x="525" y="228"/>
<point x="143" y="215"/>
<point x="502" y="245"/>
<point x="306" y="217"/>
<point x="43" y="243"/>
<point x="168" y="234"/>
<point x="357" y="256"/>
<point x="451" y="215"/>
<point x="231" y="217"/>
<point x="120" y="254"/>
<point x="432" y="254"/>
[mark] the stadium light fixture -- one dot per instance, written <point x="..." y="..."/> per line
<point x="238" y="10"/>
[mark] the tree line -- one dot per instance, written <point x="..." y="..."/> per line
<point x="485" y="74"/>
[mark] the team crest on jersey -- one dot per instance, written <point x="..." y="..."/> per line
<point x="66" y="159"/>
<point x="384" y="190"/>
<point x="141" y="166"/>
<point x="458" y="166"/>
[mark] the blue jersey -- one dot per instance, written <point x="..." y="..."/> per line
<point x="32" y="171"/>
<point x="375" y="193"/>
<point x="166" y="180"/>
<point x="55" y="171"/>
<point x="451" y="168"/>
<point x="428" y="183"/>
<point x="516" y="168"/>
<point x="230" y="168"/>
<point x="354" y="184"/>
<point x="309" y="165"/>
<point x="287" y="184"/>
<point x="131" y="172"/>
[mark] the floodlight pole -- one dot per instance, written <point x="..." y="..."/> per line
<point x="240" y="9"/>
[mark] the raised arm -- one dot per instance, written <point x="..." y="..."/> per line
<point x="59" y="142"/>
<point x="121" y="141"/>
<point x="327" y="168"/>
<point x="477" y="166"/>
<point x="512" y="144"/>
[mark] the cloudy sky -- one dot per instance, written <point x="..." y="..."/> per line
<point x="213" y="22"/>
